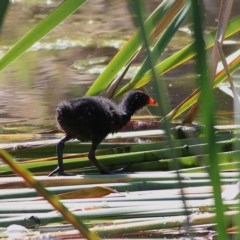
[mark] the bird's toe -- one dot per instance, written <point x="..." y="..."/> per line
<point x="65" y="174"/>
<point x="121" y="170"/>
<point x="59" y="172"/>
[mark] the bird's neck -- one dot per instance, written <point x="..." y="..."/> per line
<point x="127" y="109"/>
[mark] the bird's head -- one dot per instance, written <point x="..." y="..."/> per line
<point x="136" y="100"/>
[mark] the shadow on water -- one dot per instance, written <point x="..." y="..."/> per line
<point x="65" y="63"/>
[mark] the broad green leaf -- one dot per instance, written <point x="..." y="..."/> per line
<point x="129" y="49"/>
<point x="159" y="47"/>
<point x="40" y="30"/>
<point x="53" y="200"/>
<point x="207" y="112"/>
<point x="183" y="55"/>
<point x="233" y="65"/>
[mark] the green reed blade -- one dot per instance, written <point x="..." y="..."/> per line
<point x="53" y="200"/>
<point x="65" y="9"/>
<point x="207" y="107"/>
<point x="129" y="49"/>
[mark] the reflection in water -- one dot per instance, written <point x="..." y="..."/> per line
<point x="59" y="66"/>
<point x="67" y="60"/>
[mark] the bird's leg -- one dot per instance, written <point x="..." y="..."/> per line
<point x="92" y="158"/>
<point x="60" y="147"/>
<point x="99" y="165"/>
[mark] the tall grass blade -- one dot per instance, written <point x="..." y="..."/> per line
<point x="184" y="55"/>
<point x="158" y="49"/>
<point x="53" y="200"/>
<point x="233" y="62"/>
<point x="207" y="113"/>
<point x="151" y="57"/>
<point x="132" y="46"/>
<point x="65" y="9"/>
<point x="217" y="53"/>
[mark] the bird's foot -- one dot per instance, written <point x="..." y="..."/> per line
<point x="59" y="172"/>
<point x="66" y="174"/>
<point x="120" y="170"/>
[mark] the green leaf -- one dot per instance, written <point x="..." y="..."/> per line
<point x="53" y="200"/>
<point x="128" y="50"/>
<point x="184" y="55"/>
<point x="159" y="47"/>
<point x="221" y="76"/>
<point x="40" y="30"/>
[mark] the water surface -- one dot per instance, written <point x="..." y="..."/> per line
<point x="66" y="62"/>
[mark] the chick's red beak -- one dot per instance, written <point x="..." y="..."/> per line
<point x="152" y="102"/>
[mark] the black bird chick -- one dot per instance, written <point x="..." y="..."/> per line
<point x="93" y="118"/>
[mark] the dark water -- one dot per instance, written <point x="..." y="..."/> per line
<point x="69" y="59"/>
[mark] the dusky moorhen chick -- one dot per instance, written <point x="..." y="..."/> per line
<point x="93" y="118"/>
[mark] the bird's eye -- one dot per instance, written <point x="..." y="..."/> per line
<point x="136" y="97"/>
